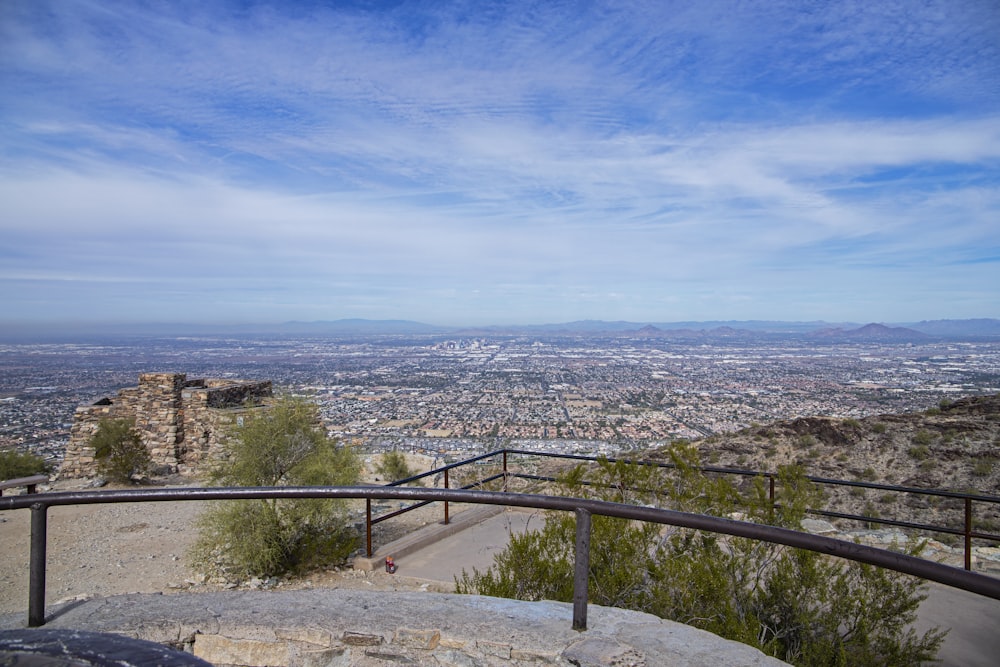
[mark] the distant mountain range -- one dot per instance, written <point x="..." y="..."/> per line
<point x="819" y="332"/>
<point x="359" y="326"/>
<point x="873" y="332"/>
<point x="977" y="329"/>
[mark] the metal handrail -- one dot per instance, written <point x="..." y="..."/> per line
<point x="966" y="531"/>
<point x="754" y="473"/>
<point x="826" y="513"/>
<point x="583" y="508"/>
<point x="30" y="483"/>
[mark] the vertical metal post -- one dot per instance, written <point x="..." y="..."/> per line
<point x="505" y="471"/>
<point x="968" y="533"/>
<point x="36" y="575"/>
<point x="581" y="569"/>
<point x="368" y="527"/>
<point x="446" y="502"/>
<point x="770" y="490"/>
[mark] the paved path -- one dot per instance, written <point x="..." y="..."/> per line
<point x="472" y="548"/>
<point x="974" y="639"/>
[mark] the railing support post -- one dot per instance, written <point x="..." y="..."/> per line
<point x="581" y="569"/>
<point x="368" y="527"/>
<point x="505" y="471"/>
<point x="968" y="533"/>
<point x="446" y="502"/>
<point x="36" y="567"/>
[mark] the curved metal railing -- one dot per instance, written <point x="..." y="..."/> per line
<point x="583" y="508"/>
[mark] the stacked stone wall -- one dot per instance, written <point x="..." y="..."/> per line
<point x="79" y="459"/>
<point x="197" y="431"/>
<point x="159" y="416"/>
<point x="211" y="409"/>
<point x="183" y="423"/>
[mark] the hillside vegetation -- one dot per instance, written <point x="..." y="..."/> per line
<point x="797" y="605"/>
<point x="952" y="447"/>
<point x="955" y="446"/>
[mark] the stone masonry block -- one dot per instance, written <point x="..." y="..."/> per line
<point x="456" y="659"/>
<point x="495" y="649"/>
<point x="360" y="639"/>
<point x="315" y="636"/>
<point x="220" y="650"/>
<point x="541" y="657"/>
<point x="385" y="657"/>
<point x="321" y="657"/>
<point x="422" y="639"/>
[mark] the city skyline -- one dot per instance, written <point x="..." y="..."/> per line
<point x="520" y="163"/>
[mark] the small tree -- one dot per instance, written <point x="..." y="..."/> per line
<point x="284" y="445"/>
<point x="393" y="467"/>
<point x="799" y="606"/>
<point x="121" y="457"/>
<point x="17" y="464"/>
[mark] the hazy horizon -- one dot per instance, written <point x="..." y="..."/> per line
<point x="398" y="325"/>
<point x="513" y="163"/>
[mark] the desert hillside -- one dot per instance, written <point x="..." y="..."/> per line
<point x="955" y="447"/>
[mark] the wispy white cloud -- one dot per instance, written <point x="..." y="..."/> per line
<point x="516" y="161"/>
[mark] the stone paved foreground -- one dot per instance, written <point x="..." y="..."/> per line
<point x="330" y="628"/>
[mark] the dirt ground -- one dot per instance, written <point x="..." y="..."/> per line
<point x="101" y="550"/>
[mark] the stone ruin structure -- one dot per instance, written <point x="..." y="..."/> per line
<point x="182" y="422"/>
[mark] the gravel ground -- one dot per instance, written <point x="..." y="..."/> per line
<point x="100" y="550"/>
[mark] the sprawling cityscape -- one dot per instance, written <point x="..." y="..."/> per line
<point x="449" y="396"/>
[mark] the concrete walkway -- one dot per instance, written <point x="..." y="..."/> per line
<point x="974" y="639"/>
<point x="474" y="547"/>
<point x="462" y="520"/>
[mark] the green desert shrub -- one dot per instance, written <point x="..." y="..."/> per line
<point x="983" y="467"/>
<point x="393" y="467"/>
<point x="121" y="457"/>
<point x="15" y="464"/>
<point x="283" y="445"/>
<point x="799" y="606"/>
<point x="986" y="525"/>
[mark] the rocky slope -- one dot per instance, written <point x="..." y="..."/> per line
<point x="954" y="447"/>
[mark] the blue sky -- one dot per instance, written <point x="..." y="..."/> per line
<point x="492" y="163"/>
